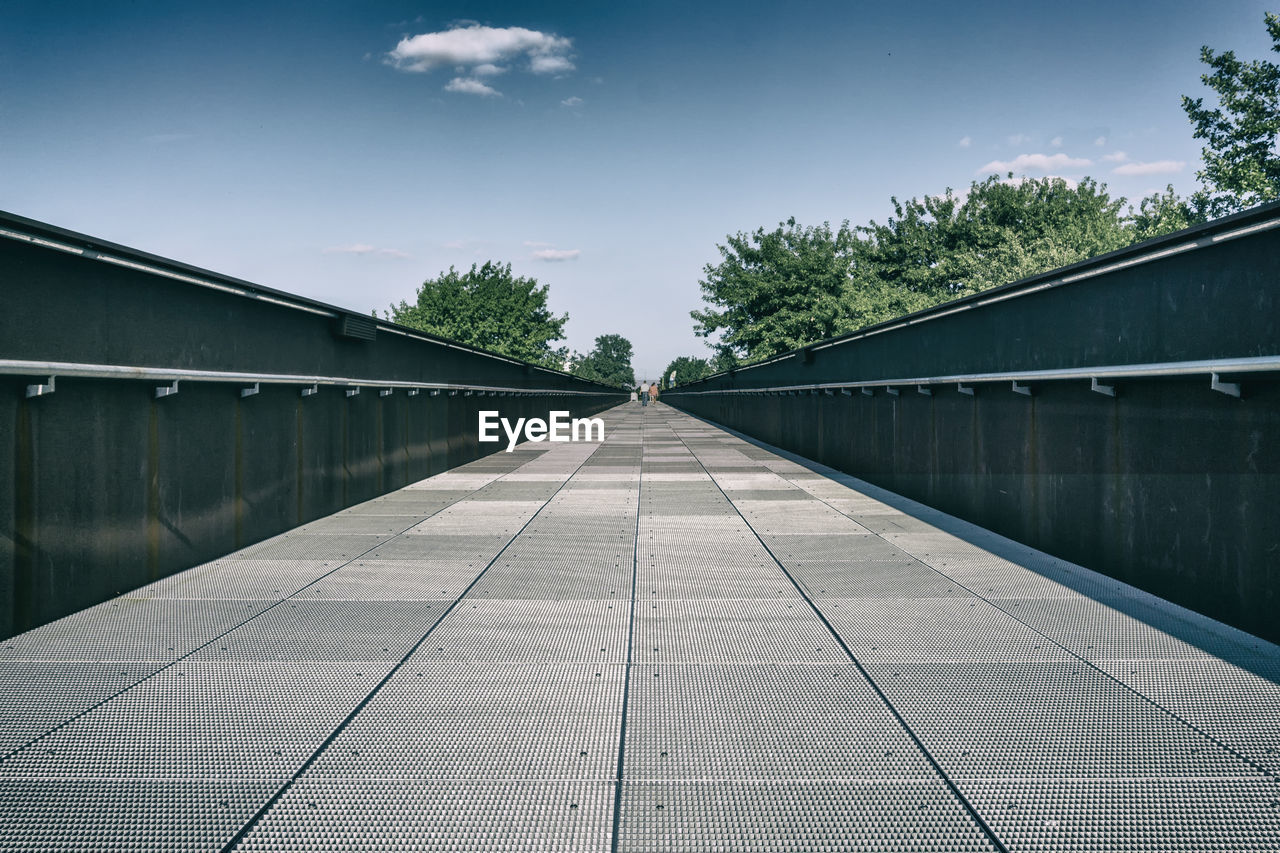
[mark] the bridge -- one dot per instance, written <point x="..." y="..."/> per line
<point x="273" y="595"/>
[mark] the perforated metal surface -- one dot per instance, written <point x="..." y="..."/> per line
<point x="674" y="640"/>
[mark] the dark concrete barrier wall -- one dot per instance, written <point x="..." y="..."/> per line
<point x="1169" y="486"/>
<point x="104" y="488"/>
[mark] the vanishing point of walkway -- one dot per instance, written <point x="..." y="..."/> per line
<point x="673" y="640"/>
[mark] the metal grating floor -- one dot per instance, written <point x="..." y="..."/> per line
<point x="673" y="640"/>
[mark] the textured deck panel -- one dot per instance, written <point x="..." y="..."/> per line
<point x="674" y="640"/>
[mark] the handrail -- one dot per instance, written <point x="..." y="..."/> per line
<point x="33" y="232"/>
<point x="77" y="370"/>
<point x="1195" y="237"/>
<point x="1211" y="367"/>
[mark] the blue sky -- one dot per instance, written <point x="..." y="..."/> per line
<point x="348" y="151"/>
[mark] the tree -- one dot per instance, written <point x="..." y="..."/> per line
<point x="776" y="290"/>
<point x="942" y="247"/>
<point x="1241" y="166"/>
<point x="724" y="360"/>
<point x="488" y="308"/>
<point x="686" y="368"/>
<point x="609" y="363"/>
<point x="1162" y="213"/>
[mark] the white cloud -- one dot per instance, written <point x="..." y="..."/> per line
<point x="488" y="69"/>
<point x="469" y="86"/>
<point x="1036" y="163"/>
<point x="1100" y="141"/>
<point x="1159" y="167"/>
<point x="575" y="101"/>
<point x="474" y="46"/>
<point x="965" y="141"/>
<point x="364" y="249"/>
<point x="1115" y="157"/>
<point x="550" y="64"/>
<point x="557" y="254"/>
<point x="1056" y="142"/>
<point x="453" y="244"/>
<point x="1019" y="139"/>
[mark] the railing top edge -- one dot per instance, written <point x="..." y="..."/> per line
<point x="1253" y="364"/>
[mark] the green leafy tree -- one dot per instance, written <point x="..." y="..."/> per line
<point x="686" y="368"/>
<point x="1162" y="213"/>
<point x="942" y="247"/>
<point x="1241" y="166"/>
<point x="777" y="290"/>
<point x="609" y="363"/>
<point x="489" y="308"/>
<point x="724" y="360"/>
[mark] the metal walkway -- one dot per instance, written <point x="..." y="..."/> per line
<point x="674" y="640"/>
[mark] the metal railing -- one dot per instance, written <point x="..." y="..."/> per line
<point x="1021" y="380"/>
<point x="32" y="232"/>
<point x="1158" y="248"/>
<point x="250" y="382"/>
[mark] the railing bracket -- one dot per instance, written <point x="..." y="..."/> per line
<point x="868" y="392"/>
<point x="964" y="389"/>
<point x="167" y="390"/>
<point x="413" y="392"/>
<point x="893" y="392"/>
<point x="311" y="391"/>
<point x="353" y="392"/>
<point x="386" y="392"/>
<point x="41" y="390"/>
<point x="925" y="390"/>
<point x="1024" y="390"/>
<point x="1231" y="389"/>
<point x="249" y="391"/>
<point x="1095" y="385"/>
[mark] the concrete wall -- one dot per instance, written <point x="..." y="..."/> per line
<point x="1169" y="486"/>
<point x="104" y="488"/>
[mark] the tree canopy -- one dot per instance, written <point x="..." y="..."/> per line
<point x="1003" y="229"/>
<point x="686" y="368"/>
<point x="609" y="363"/>
<point x="1241" y="166"/>
<point x="489" y="308"/>
<point x="773" y="291"/>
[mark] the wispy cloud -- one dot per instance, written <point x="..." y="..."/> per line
<point x="551" y="65"/>
<point x="1100" y="141"/>
<point x="1158" y="167"/>
<point x="471" y="86"/>
<point x="1056" y="142"/>
<point x="1019" y="139"/>
<point x="364" y="249"/>
<point x="575" y="101"/>
<point x="1115" y="157"/>
<point x="965" y="141"/>
<point x="479" y="51"/>
<point x="536" y="244"/>
<point x="1036" y="163"/>
<point x="557" y="254"/>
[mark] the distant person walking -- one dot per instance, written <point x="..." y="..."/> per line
<point x="644" y="396"/>
<point x="653" y="393"/>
